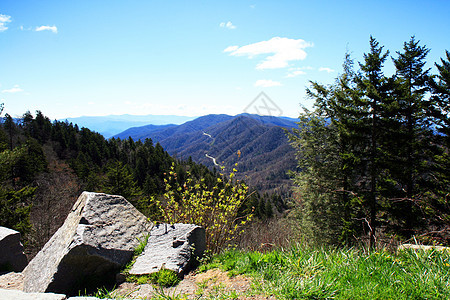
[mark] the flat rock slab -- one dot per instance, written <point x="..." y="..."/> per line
<point x="175" y="247"/>
<point x="422" y="247"/>
<point x="19" y="295"/>
<point x="98" y="237"/>
<point x="12" y="257"/>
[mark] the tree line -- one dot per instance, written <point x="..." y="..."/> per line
<point x="373" y="153"/>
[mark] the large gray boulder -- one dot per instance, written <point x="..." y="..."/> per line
<point x="175" y="247"/>
<point x="98" y="236"/>
<point x="12" y="257"/>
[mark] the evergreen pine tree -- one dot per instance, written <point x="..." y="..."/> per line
<point x="374" y="94"/>
<point x="415" y="131"/>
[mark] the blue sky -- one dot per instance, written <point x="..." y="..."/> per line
<point x="79" y="58"/>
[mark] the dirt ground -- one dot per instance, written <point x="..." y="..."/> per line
<point x="212" y="284"/>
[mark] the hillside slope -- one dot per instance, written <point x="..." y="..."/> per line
<point x="214" y="140"/>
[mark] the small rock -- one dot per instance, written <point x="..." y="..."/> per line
<point x="422" y="247"/>
<point x="12" y="257"/>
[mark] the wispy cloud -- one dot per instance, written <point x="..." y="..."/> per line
<point x="267" y="83"/>
<point x="324" y="69"/>
<point x="25" y="28"/>
<point x="15" y="89"/>
<point x="228" y="25"/>
<point x="294" y="72"/>
<point x="4" y="19"/>
<point x="284" y="50"/>
<point x="49" y="28"/>
<point x="231" y="48"/>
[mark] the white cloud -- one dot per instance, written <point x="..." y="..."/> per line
<point x="284" y="50"/>
<point x="228" y="25"/>
<point x="267" y="83"/>
<point x="15" y="89"/>
<point x="49" y="28"/>
<point x="294" y="72"/>
<point x="231" y="48"/>
<point x="328" y="70"/>
<point x="4" y="19"/>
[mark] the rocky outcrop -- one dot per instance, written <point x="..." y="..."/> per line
<point x="12" y="257"/>
<point x="98" y="236"/>
<point x="174" y="247"/>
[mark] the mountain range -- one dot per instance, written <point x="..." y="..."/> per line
<point x="258" y="144"/>
<point x="113" y="124"/>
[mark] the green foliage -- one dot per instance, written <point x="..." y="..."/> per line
<point x="215" y="208"/>
<point x="119" y="181"/>
<point x="15" y="208"/>
<point x="325" y="209"/>
<point x="165" y="278"/>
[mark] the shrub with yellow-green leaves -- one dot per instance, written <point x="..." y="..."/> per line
<point x="215" y="207"/>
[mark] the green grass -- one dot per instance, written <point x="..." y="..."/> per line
<point x="307" y="273"/>
<point x="163" y="278"/>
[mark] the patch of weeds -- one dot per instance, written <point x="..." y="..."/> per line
<point x="159" y="294"/>
<point x="103" y="293"/>
<point x="219" y="292"/>
<point x="163" y="278"/>
<point x="166" y="278"/>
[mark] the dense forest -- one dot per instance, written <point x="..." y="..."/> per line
<point x="374" y="152"/>
<point x="45" y="166"/>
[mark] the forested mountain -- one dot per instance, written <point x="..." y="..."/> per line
<point x="257" y="143"/>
